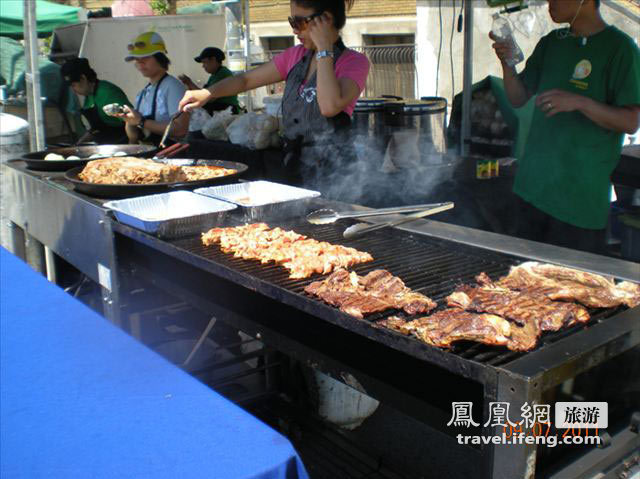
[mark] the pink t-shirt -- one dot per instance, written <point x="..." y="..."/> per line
<point x="351" y="64"/>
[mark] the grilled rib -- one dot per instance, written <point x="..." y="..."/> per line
<point x="362" y="295"/>
<point x="450" y="325"/>
<point x="567" y="284"/>
<point x="523" y="308"/>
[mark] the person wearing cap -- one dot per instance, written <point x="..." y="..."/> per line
<point x="103" y="129"/>
<point x="159" y="99"/>
<point x="211" y="59"/>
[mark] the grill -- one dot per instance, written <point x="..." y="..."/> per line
<point x="262" y="301"/>
<point x="430" y="266"/>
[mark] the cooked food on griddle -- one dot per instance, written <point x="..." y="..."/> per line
<point x="567" y="284"/>
<point x="362" y="295"/>
<point x="129" y="170"/>
<point x="302" y="256"/>
<point x="518" y="306"/>
<point x="204" y="172"/>
<point x="450" y="325"/>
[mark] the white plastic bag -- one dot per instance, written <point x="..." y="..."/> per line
<point x="198" y="118"/>
<point x="253" y="130"/>
<point x="216" y="127"/>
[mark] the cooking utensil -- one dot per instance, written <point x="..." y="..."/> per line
<point x="362" y="228"/>
<point x="36" y="161"/>
<point x="168" y="128"/>
<point x="327" y="216"/>
<point x="128" y="191"/>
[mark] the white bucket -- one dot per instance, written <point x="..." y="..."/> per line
<point x="14" y="142"/>
<point x="342" y="405"/>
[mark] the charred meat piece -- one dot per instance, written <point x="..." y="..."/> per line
<point x="362" y="295"/>
<point x="450" y="325"/>
<point x="302" y="256"/>
<point x="445" y="327"/>
<point x="521" y="307"/>
<point x="567" y="284"/>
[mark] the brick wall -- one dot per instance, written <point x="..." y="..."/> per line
<point x="278" y="10"/>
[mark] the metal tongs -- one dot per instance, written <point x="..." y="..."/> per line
<point x="168" y="128"/>
<point x="362" y="228"/>
<point x="327" y="216"/>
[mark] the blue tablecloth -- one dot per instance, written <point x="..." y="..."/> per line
<point x="81" y="399"/>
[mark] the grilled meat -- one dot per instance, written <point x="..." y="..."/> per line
<point x="362" y="295"/>
<point x="567" y="284"/>
<point x="205" y="172"/>
<point x="523" y="308"/>
<point x="450" y="325"/>
<point x="128" y="170"/>
<point x="302" y="256"/>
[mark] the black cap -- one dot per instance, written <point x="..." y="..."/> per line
<point x="73" y="69"/>
<point x="211" y="52"/>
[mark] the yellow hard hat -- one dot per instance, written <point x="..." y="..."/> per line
<point x="145" y="45"/>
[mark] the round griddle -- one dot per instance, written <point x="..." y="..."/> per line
<point x="128" y="191"/>
<point x="36" y="161"/>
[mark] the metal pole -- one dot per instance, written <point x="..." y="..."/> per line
<point x="467" y="81"/>
<point x="40" y="257"/>
<point x="247" y="50"/>
<point x="32" y="77"/>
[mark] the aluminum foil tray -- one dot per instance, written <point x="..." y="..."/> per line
<point x="263" y="200"/>
<point x="171" y="215"/>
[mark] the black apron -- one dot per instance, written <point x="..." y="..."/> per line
<point x="314" y="145"/>
<point x="153" y="137"/>
<point x="99" y="131"/>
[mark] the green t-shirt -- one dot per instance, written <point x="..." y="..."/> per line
<point x="568" y="159"/>
<point x="222" y="73"/>
<point x="106" y="93"/>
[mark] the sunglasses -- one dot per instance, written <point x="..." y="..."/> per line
<point x="301" y="23"/>
<point x="132" y="46"/>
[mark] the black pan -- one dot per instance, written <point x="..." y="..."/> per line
<point x="36" y="161"/>
<point x="128" y="191"/>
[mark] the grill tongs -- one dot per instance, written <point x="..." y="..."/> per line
<point x="168" y="127"/>
<point x="426" y="210"/>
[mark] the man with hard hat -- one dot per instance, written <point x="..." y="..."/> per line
<point x="157" y="101"/>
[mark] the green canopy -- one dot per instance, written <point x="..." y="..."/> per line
<point x="49" y="16"/>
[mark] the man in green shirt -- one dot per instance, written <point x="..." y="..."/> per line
<point x="211" y="59"/>
<point x="103" y="129"/>
<point x="587" y="81"/>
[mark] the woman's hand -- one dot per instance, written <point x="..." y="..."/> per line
<point x="130" y="116"/>
<point x="503" y="49"/>
<point x="322" y="32"/>
<point x="555" y="101"/>
<point x="194" y="99"/>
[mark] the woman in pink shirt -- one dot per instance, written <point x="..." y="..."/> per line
<point x="323" y="82"/>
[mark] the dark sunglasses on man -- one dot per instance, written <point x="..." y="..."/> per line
<point x="301" y="23"/>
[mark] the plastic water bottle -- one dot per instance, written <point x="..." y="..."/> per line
<point x="501" y="29"/>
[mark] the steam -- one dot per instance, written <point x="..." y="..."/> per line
<point x="403" y="169"/>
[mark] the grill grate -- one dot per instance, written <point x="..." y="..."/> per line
<point x="432" y="266"/>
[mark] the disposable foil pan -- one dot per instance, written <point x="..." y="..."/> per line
<point x="263" y="200"/>
<point x="171" y="215"/>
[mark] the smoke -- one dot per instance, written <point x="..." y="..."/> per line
<point x="404" y="168"/>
